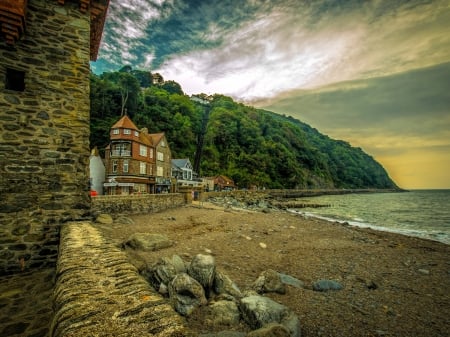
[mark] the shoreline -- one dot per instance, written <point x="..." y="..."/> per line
<point x="366" y="225"/>
<point x="393" y="285"/>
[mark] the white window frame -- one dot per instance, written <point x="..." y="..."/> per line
<point x="136" y="133"/>
<point x="142" y="167"/>
<point x="151" y="152"/>
<point x="126" y="166"/>
<point x="115" y="131"/>
<point x="142" y="150"/>
<point x="160" y="156"/>
<point x="159" y="171"/>
<point x="126" y="131"/>
<point x="114" y="165"/>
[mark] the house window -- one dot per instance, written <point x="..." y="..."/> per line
<point x="159" y="171"/>
<point x="115" y="131"/>
<point x="136" y="133"/>
<point x="125" y="166"/>
<point x="142" y="168"/>
<point x="114" y="166"/>
<point x="160" y="156"/>
<point x="151" y="170"/>
<point x="151" y="153"/>
<point x="163" y="143"/>
<point x="126" y="131"/>
<point x="15" y="80"/>
<point x="143" y="150"/>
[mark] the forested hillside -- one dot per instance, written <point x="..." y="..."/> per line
<point x="252" y="146"/>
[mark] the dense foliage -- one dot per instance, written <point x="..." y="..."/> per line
<point x="252" y="146"/>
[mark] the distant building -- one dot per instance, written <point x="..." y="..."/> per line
<point x="223" y="183"/>
<point x="184" y="174"/>
<point x="157" y="78"/>
<point x="136" y="161"/>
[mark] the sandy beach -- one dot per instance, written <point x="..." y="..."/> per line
<point x="394" y="285"/>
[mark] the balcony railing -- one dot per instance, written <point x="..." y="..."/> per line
<point x="120" y="153"/>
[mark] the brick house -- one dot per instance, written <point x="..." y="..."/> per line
<point x="45" y="50"/>
<point x="136" y="161"/>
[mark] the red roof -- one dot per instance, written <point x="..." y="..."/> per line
<point x="125" y="123"/>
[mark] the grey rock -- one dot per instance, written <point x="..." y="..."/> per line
<point x="223" y="313"/>
<point x="124" y="220"/>
<point x="325" y="285"/>
<point x="105" y="219"/>
<point x="224" y="285"/>
<point x="290" y="280"/>
<point x="269" y="281"/>
<point x="186" y="294"/>
<point x="202" y="268"/>
<point x="270" y="330"/>
<point x="259" y="311"/>
<point x="148" y="241"/>
<point x="163" y="271"/>
<point x="224" y="334"/>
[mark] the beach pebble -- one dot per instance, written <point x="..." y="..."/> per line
<point x="325" y="285"/>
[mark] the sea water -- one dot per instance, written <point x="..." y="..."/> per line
<point x="420" y="213"/>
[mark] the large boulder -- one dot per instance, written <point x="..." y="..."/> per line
<point x="223" y="313"/>
<point x="269" y="281"/>
<point x="148" y="241"/>
<point x="202" y="268"/>
<point x="186" y="294"/>
<point x="270" y="330"/>
<point x="224" y="285"/>
<point x="259" y="311"/>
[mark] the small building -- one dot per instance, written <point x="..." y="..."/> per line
<point x="184" y="174"/>
<point x="96" y="172"/>
<point x="163" y="162"/>
<point x="223" y="183"/>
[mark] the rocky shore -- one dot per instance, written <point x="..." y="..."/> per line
<point x="389" y="284"/>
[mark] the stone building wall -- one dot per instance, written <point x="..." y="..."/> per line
<point x="134" y="204"/>
<point x="44" y="134"/>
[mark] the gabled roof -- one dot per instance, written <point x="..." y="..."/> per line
<point x="182" y="163"/>
<point x="156" y="137"/>
<point x="125" y="123"/>
<point x="145" y="139"/>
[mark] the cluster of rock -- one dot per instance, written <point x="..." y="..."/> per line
<point x="199" y="283"/>
<point x="262" y="203"/>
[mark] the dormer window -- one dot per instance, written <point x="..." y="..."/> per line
<point x="115" y="131"/>
<point x="126" y="131"/>
<point x="136" y="133"/>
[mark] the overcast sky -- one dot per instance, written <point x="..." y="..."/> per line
<point x="373" y="73"/>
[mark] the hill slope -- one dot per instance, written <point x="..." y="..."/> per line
<point x="252" y="146"/>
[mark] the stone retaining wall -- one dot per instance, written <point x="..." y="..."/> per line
<point x="134" y="204"/>
<point x="99" y="293"/>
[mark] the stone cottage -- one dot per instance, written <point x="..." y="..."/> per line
<point x="45" y="50"/>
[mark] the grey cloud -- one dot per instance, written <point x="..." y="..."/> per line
<point x="414" y="102"/>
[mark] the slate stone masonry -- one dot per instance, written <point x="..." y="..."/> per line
<point x="44" y="134"/>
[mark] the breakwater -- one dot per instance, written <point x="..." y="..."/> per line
<point x="99" y="293"/>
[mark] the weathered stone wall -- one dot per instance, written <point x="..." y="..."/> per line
<point x="134" y="204"/>
<point x="44" y="134"/>
<point x="99" y="293"/>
